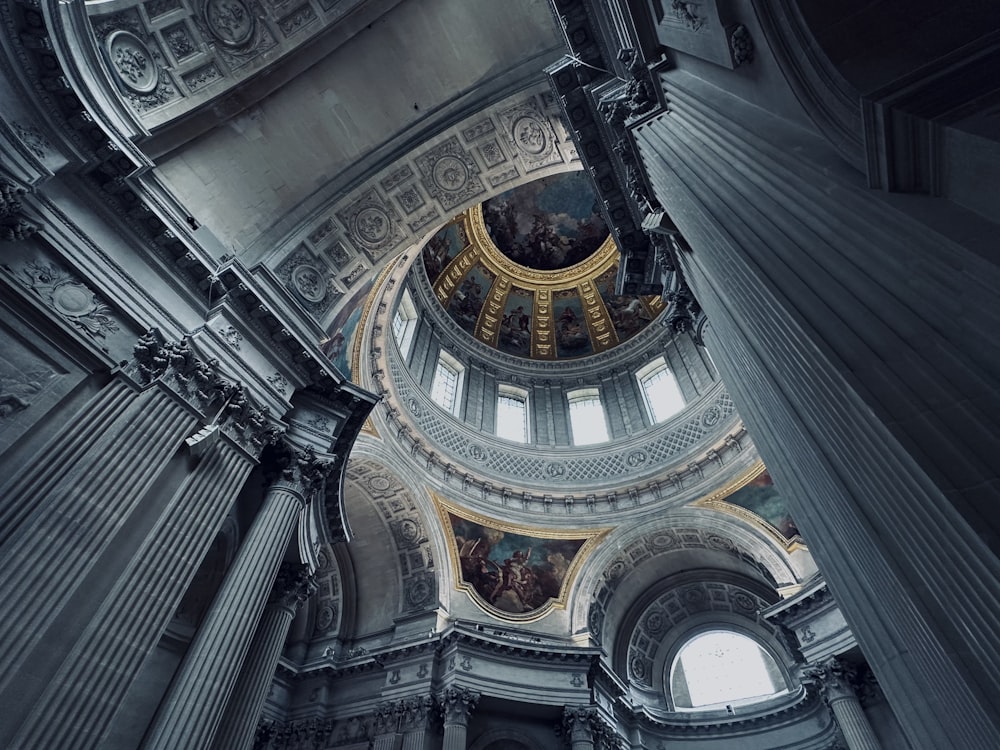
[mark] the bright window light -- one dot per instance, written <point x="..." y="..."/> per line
<point x="586" y="417"/>
<point x="722" y="667"/>
<point x="512" y="414"/>
<point x="447" y="383"/>
<point x="660" y="390"/>
<point x="404" y="323"/>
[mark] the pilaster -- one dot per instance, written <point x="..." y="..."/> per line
<point x="869" y="405"/>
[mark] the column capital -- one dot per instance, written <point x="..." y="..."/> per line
<point x="584" y="723"/>
<point x="415" y="713"/>
<point x="293" y="586"/>
<point x="837" y="678"/>
<point x="457" y="704"/>
<point x="300" y="470"/>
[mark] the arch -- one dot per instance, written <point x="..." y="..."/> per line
<point x="773" y="662"/>
<point x="392" y="557"/>
<point x="732" y="544"/>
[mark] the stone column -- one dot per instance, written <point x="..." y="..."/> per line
<point x="416" y="716"/>
<point x="385" y="727"/>
<point x="578" y="727"/>
<point x="457" y="705"/>
<point x="196" y="699"/>
<point x="859" y="346"/>
<point x="837" y="680"/>
<point x="89" y="686"/>
<point x="292" y="588"/>
<point x="71" y="502"/>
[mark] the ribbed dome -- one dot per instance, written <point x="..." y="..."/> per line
<point x="532" y="273"/>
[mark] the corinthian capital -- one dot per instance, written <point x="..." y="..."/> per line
<point x="836" y="678"/>
<point x="302" y="469"/>
<point x="457" y="704"/>
<point x="293" y="586"/>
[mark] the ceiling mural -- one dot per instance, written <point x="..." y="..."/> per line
<point x="548" y="224"/>
<point x="515" y="573"/>
<point x="754" y="497"/>
<point x="532" y="272"/>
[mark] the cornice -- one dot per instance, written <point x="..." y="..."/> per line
<point x="793" y="709"/>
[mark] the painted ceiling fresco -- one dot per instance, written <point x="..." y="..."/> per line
<point x="755" y="492"/>
<point x="513" y="572"/>
<point x="497" y="271"/>
<point x="548" y="224"/>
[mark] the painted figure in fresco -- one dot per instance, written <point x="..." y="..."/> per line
<point x="517" y="590"/>
<point x="570" y="332"/>
<point x="515" y="329"/>
<point x="467" y="303"/>
<point x="476" y="566"/>
<point x="333" y="347"/>
<point x="435" y="257"/>
<point x="627" y="315"/>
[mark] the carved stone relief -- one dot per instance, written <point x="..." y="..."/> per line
<point x="372" y="223"/>
<point x="309" y="280"/>
<point x="135" y="60"/>
<point x="69" y="297"/>
<point x="399" y="511"/>
<point x="450" y="174"/>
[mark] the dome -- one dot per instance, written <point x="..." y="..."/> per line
<point x="532" y="273"/>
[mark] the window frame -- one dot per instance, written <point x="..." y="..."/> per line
<point x="655" y="369"/>
<point x="777" y="672"/>
<point x="446" y="362"/>
<point x="513" y="393"/>
<point x="405" y="311"/>
<point x="581" y="395"/>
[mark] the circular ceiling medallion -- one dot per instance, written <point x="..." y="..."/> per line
<point x="132" y="61"/>
<point x="379" y="483"/>
<point x="372" y="225"/>
<point x="308" y="282"/>
<point x="529" y="134"/>
<point x="230" y="21"/>
<point x="451" y="173"/>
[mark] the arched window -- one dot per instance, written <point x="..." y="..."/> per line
<point x="404" y="322"/>
<point x="446" y="389"/>
<point x="721" y="667"/>
<point x="660" y="391"/>
<point x="512" y="413"/>
<point x="586" y="417"/>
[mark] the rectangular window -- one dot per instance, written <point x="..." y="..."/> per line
<point x="586" y="417"/>
<point x="659" y="388"/>
<point x="404" y="323"/>
<point x="447" y="384"/>
<point x="512" y="414"/>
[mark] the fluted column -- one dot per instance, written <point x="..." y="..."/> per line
<point x="68" y="506"/>
<point x="196" y="699"/>
<point x="860" y="348"/>
<point x="416" y="716"/>
<point x="93" y="680"/>
<point x="837" y="680"/>
<point x="292" y="588"/>
<point x="457" y="705"/>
